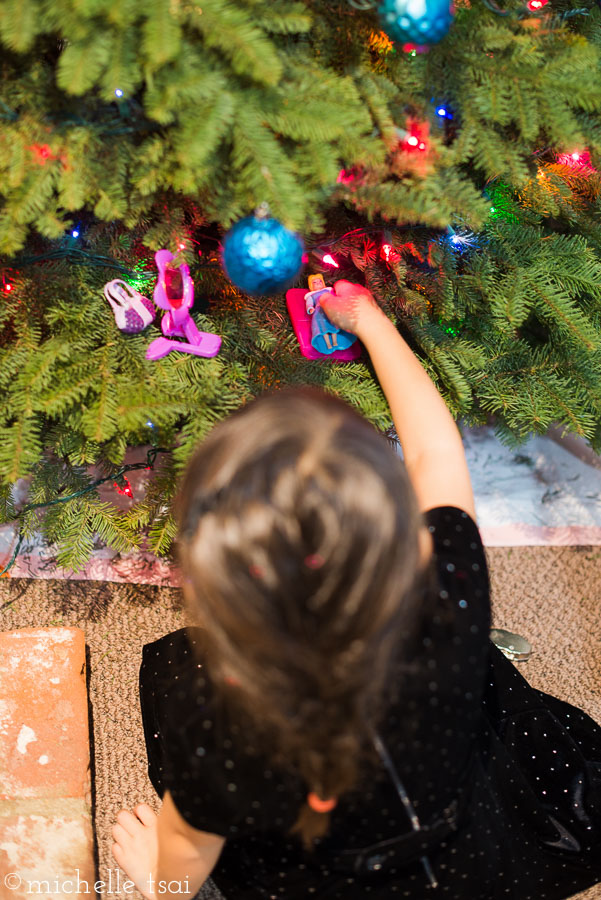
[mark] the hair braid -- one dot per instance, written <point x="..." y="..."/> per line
<point x="299" y="535"/>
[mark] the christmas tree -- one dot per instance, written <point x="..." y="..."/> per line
<point x="457" y="177"/>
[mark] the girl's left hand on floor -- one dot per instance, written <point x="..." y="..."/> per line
<point x="136" y="847"/>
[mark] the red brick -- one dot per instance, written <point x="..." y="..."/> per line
<point x="44" y="741"/>
<point x="47" y="856"/>
<point x="46" y="838"/>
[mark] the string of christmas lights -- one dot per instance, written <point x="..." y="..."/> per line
<point x="117" y="477"/>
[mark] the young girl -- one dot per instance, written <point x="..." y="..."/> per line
<point x="338" y="724"/>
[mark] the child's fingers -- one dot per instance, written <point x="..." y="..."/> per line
<point x="340" y="310"/>
<point x="145" y="814"/>
<point x="349" y="289"/>
<point x="127" y="821"/>
<point x="117" y="851"/>
<point x="344" y="288"/>
<point x="120" y="835"/>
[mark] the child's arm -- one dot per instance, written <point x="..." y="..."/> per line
<point x="162" y="855"/>
<point x="432" y="446"/>
<point x="186" y="856"/>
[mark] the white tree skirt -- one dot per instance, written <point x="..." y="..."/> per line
<point x="546" y="493"/>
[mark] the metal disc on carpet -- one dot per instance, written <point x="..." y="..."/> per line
<point x="514" y="646"/>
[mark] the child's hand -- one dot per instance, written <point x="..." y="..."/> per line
<point x="352" y="307"/>
<point x="136" y="847"/>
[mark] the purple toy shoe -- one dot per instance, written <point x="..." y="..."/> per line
<point x="132" y="311"/>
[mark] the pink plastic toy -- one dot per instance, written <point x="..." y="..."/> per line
<point x="301" y="322"/>
<point x="174" y="292"/>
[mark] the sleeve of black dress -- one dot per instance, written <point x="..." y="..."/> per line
<point x="459" y="620"/>
<point x="459" y="554"/>
<point x="204" y="773"/>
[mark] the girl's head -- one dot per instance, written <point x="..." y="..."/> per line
<point x="299" y="539"/>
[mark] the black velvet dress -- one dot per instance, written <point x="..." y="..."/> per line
<point x="504" y="779"/>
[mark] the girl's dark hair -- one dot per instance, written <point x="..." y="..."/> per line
<point x="298" y="534"/>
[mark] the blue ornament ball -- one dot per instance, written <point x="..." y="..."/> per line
<point x="261" y="256"/>
<point x="416" y="21"/>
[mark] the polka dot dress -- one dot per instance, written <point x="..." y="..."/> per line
<point x="505" y="780"/>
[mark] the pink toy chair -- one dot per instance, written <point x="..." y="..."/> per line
<point x="174" y="292"/>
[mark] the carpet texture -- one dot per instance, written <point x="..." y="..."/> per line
<point x="551" y="595"/>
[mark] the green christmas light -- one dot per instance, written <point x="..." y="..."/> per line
<point x="140" y="278"/>
<point x="503" y="202"/>
<point x="453" y="327"/>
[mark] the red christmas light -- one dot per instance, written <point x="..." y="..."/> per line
<point x="534" y="5"/>
<point x="415" y="136"/>
<point x="579" y="160"/>
<point x="414" y="143"/>
<point x="42" y="152"/>
<point x="349" y="176"/>
<point x="125" y="490"/>
<point x="345" y="177"/>
<point x="389" y="254"/>
<point x="8" y="288"/>
<point x="329" y="260"/>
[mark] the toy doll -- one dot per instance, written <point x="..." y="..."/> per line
<point x="325" y="336"/>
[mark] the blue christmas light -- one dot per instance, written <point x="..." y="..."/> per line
<point x="150" y="424"/>
<point x="441" y="111"/>
<point x="75" y="233"/>
<point x="118" y="92"/>
<point x="462" y="240"/>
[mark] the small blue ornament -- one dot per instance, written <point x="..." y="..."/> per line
<point x="416" y="21"/>
<point x="260" y="255"/>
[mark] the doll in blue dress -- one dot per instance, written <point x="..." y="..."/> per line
<point x="325" y="336"/>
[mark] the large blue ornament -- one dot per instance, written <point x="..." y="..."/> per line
<point x="416" y="21"/>
<point x="261" y="256"/>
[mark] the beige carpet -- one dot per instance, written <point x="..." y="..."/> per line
<point x="552" y="595"/>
